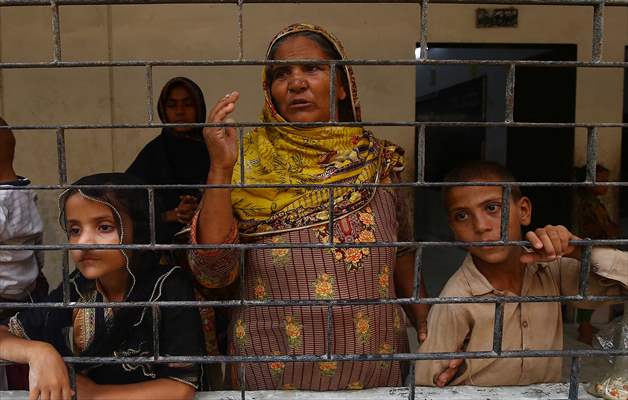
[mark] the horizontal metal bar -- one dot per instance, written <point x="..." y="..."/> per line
<point x="321" y="303"/>
<point x="260" y="62"/>
<point x="346" y="357"/>
<point x="235" y="2"/>
<point x="326" y="186"/>
<point x="308" y="245"/>
<point x="497" y="124"/>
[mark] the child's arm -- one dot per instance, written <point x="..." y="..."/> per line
<point x="448" y="329"/>
<point x="164" y="388"/>
<point x="48" y="375"/>
<point x="609" y="267"/>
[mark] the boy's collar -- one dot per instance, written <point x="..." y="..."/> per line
<point x="478" y="283"/>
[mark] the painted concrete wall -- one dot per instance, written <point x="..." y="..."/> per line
<point x="118" y="95"/>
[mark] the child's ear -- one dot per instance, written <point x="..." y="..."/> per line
<point x="525" y="210"/>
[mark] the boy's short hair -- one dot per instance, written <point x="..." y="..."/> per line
<point x="479" y="170"/>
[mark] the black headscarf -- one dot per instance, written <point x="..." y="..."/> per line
<point x="174" y="158"/>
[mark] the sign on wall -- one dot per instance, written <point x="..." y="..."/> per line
<point x="496" y="17"/>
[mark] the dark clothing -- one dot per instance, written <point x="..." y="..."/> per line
<point x="166" y="160"/>
<point x="122" y="332"/>
<point x="173" y="158"/>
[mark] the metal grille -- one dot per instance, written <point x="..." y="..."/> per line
<point x="599" y="7"/>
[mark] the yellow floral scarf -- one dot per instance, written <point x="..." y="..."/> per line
<point x="295" y="155"/>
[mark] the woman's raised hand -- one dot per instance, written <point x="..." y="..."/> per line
<point x="222" y="142"/>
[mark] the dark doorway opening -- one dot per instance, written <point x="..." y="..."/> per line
<point x="476" y="93"/>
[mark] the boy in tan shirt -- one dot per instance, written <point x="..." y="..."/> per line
<point x="550" y="268"/>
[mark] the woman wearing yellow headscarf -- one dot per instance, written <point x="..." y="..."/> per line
<point x="285" y="156"/>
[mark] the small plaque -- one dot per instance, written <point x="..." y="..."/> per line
<point x="496" y="17"/>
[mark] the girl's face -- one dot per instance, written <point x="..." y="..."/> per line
<point x="180" y="108"/>
<point x="301" y="91"/>
<point x="90" y="222"/>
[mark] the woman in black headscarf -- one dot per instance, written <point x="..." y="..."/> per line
<point x="177" y="156"/>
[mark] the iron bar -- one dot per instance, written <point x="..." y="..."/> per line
<point x="151" y="215"/>
<point x="574" y="376"/>
<point x="598" y="31"/>
<point x="149" y="93"/>
<point x="510" y="94"/>
<point x="505" y="213"/>
<point x="62" y="166"/>
<point x="420" y="155"/>
<point x="56" y="31"/>
<point x="424" y="25"/>
<point x="321" y="303"/>
<point x="483" y="2"/>
<point x="557" y="125"/>
<point x="498" y="328"/>
<point x="592" y="146"/>
<point x="251" y="246"/>
<point x="262" y="62"/>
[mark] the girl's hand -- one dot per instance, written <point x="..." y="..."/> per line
<point x="550" y="243"/>
<point x="186" y="209"/>
<point x="222" y="142"/>
<point x="48" y="375"/>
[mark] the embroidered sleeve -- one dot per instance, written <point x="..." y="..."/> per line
<point x="36" y="323"/>
<point x="214" y="268"/>
<point x="180" y="332"/>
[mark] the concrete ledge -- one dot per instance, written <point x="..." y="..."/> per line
<point x="541" y="392"/>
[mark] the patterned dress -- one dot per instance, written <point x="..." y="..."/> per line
<point x="310" y="274"/>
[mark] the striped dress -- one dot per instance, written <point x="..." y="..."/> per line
<point x="310" y="274"/>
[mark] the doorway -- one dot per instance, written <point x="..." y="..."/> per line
<point x="476" y="93"/>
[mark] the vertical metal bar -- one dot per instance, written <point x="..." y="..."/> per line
<point x="585" y="268"/>
<point x="330" y="223"/>
<point x="66" y="276"/>
<point x="72" y="373"/>
<point x="240" y="29"/>
<point x="498" y="327"/>
<point x="424" y="22"/>
<point x="592" y="138"/>
<point x="598" y="31"/>
<point x="418" y="275"/>
<point x="330" y="322"/>
<point x="241" y="367"/>
<point x="242" y="379"/>
<point x="155" y="312"/>
<point x="411" y="384"/>
<point x="420" y="155"/>
<point x="61" y="161"/>
<point x="241" y="148"/>
<point x="149" y="93"/>
<point x="574" y="376"/>
<point x="332" y="93"/>
<point x="56" y="31"/>
<point x="151" y="215"/>
<point x="510" y="94"/>
<point x="503" y="229"/>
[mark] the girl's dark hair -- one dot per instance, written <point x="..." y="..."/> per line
<point x="345" y="109"/>
<point x="132" y="201"/>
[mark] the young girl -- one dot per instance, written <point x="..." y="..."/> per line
<point x="40" y="337"/>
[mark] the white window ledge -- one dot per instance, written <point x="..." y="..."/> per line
<point x="542" y="392"/>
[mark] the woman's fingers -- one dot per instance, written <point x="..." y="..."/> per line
<point x="224" y="106"/>
<point x="34" y="393"/>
